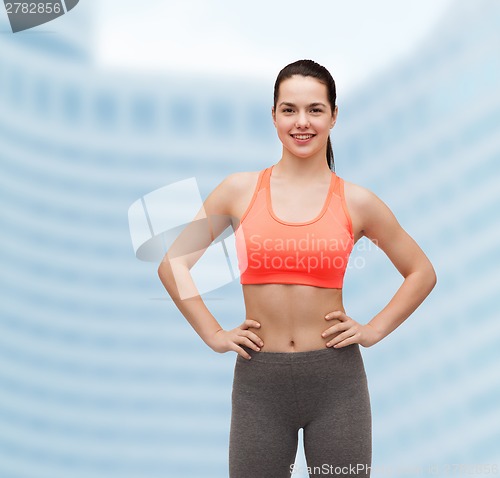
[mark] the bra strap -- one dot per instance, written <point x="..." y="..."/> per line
<point x="264" y="179"/>
<point x="337" y="185"/>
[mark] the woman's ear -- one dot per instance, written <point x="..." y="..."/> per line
<point x="273" y="114"/>
<point x="334" y="116"/>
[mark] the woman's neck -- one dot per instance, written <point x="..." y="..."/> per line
<point x="311" y="167"/>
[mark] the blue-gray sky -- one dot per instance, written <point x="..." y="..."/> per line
<point x="353" y="39"/>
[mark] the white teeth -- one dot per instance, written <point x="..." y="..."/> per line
<point x="302" y="136"/>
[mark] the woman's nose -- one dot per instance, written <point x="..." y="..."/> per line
<point x="302" y="121"/>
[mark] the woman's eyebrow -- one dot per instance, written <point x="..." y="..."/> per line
<point x="285" y="103"/>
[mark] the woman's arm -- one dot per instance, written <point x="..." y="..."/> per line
<point x="372" y="218"/>
<point x="381" y="227"/>
<point x="174" y="271"/>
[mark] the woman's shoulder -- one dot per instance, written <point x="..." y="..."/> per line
<point x="234" y="189"/>
<point x="241" y="181"/>
<point x="364" y="202"/>
<point x="357" y="195"/>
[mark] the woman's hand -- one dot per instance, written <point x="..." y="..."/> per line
<point x="349" y="332"/>
<point x="226" y="340"/>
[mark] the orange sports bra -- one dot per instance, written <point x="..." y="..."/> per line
<point x="313" y="253"/>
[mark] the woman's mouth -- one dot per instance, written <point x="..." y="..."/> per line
<point x="302" y="138"/>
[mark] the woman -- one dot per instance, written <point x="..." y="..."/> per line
<point x="299" y="364"/>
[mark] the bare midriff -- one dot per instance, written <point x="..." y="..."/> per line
<point x="291" y="316"/>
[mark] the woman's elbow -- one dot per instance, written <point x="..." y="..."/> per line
<point x="430" y="276"/>
<point x="425" y="275"/>
<point x="169" y="269"/>
<point x="164" y="271"/>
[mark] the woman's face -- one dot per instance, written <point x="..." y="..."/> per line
<point x="303" y="116"/>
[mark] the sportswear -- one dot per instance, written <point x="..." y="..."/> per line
<point x="275" y="394"/>
<point x="314" y="253"/>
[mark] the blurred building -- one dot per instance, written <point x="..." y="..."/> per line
<point x="101" y="375"/>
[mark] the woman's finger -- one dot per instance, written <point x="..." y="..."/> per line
<point x="249" y="323"/>
<point x="252" y="336"/>
<point x="336" y="314"/>
<point x="345" y="343"/>
<point x="341" y="337"/>
<point x="339" y="327"/>
<point x="242" y="352"/>
<point x="246" y="341"/>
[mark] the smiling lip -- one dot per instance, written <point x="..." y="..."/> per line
<point x="302" y="138"/>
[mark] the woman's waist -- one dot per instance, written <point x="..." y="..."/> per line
<point x="292" y="324"/>
<point x="284" y="334"/>
<point x="305" y="355"/>
<point x="299" y="304"/>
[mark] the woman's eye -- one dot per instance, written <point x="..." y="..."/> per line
<point x="313" y="110"/>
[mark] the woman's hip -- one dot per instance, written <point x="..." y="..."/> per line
<point x="341" y="368"/>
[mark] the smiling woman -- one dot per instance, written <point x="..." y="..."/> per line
<point x="299" y="363"/>
<point x="306" y="123"/>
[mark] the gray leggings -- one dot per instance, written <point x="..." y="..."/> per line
<point x="323" y="391"/>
